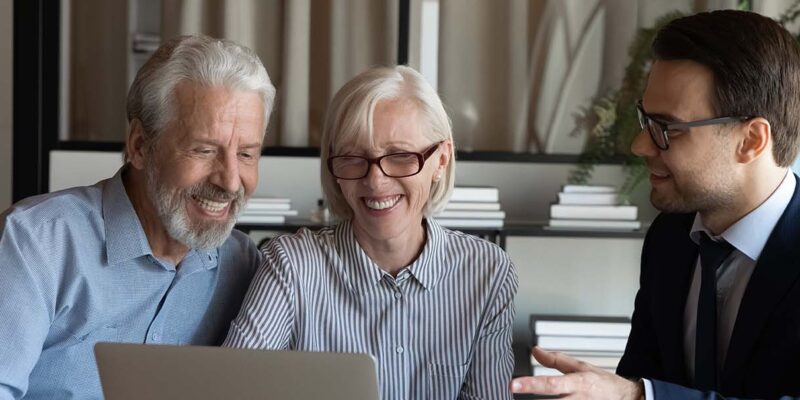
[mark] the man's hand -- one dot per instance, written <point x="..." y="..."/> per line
<point x="580" y="381"/>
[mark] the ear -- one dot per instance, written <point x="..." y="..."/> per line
<point x="445" y="150"/>
<point x="756" y="139"/>
<point x="135" y="145"/>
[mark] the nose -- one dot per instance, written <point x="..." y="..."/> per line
<point x="643" y="145"/>
<point x="375" y="177"/>
<point x="226" y="175"/>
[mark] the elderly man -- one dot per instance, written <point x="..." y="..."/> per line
<point x="146" y="256"/>
<point x="717" y="311"/>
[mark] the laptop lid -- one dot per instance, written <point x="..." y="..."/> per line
<point x="137" y="371"/>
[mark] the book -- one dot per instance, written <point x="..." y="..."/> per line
<point x="577" y="343"/>
<point x="476" y="193"/>
<point x="261" y="219"/>
<point x="582" y="328"/>
<point x="267" y="206"/>
<point x="588" y="189"/>
<point x="268" y="200"/>
<point x="598" y="224"/>
<point x="471" y="214"/>
<point x="472" y="205"/>
<point x="540" y="370"/>
<point x="603" y="199"/>
<point x="251" y="212"/>
<point x="568" y="211"/>
<point x="469" y="223"/>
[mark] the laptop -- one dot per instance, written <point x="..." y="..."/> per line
<point x="137" y="371"/>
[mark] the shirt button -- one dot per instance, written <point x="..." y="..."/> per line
<point x="155" y="337"/>
<point x="399" y="349"/>
<point x="398" y="295"/>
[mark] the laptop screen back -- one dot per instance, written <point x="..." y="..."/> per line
<point x="136" y="371"/>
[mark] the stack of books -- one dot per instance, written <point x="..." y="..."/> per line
<point x="267" y="210"/>
<point x="472" y="207"/>
<point x="594" y="207"/>
<point x="597" y="340"/>
<point x="145" y="42"/>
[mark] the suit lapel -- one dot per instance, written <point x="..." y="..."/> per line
<point x="775" y="273"/>
<point x="676" y="262"/>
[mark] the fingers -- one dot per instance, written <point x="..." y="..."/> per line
<point x="556" y="385"/>
<point x="560" y="361"/>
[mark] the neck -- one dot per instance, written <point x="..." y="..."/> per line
<point x="747" y="197"/>
<point x="393" y="254"/>
<point x="161" y="243"/>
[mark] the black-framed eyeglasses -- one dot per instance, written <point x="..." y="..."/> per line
<point x="659" y="130"/>
<point x="395" y="165"/>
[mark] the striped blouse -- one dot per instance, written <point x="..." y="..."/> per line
<point x="439" y="330"/>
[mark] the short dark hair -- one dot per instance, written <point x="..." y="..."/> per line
<point x="756" y="66"/>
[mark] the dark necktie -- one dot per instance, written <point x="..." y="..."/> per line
<point x="712" y="254"/>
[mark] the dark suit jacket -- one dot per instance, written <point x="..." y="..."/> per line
<point x="763" y="360"/>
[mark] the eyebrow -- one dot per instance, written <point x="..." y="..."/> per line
<point x="218" y="143"/>
<point x="664" y="117"/>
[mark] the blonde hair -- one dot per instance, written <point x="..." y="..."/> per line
<point x="349" y="119"/>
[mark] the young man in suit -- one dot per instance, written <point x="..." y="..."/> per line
<point x="718" y="310"/>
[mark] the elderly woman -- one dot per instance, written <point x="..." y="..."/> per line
<point x="433" y="306"/>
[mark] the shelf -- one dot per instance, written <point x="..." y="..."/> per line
<point x="495" y="235"/>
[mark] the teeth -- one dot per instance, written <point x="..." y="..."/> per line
<point x="210" y="205"/>
<point x="382" y="204"/>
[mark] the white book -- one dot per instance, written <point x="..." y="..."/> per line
<point x="539" y="370"/>
<point x="602" y="362"/>
<point x="568" y="211"/>
<point x="255" y="213"/>
<point x="472" y="205"/>
<point x="595" y="224"/>
<point x="475" y="193"/>
<point x="268" y="206"/>
<point x="578" y="343"/>
<point x="582" y="328"/>
<point x="603" y="199"/>
<point x="471" y="214"/>
<point x="469" y="223"/>
<point x="588" y="189"/>
<point x="261" y="219"/>
<point x="269" y="200"/>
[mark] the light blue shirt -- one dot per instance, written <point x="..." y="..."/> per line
<point x="76" y="269"/>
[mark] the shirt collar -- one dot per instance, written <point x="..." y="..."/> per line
<point x="749" y="235"/>
<point x="428" y="267"/>
<point x="364" y="273"/>
<point x="125" y="238"/>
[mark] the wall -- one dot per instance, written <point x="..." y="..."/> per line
<point x="6" y="57"/>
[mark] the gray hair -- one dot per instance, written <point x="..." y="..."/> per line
<point x="349" y="119"/>
<point x="198" y="59"/>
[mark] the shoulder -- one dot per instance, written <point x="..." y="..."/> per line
<point x="474" y="253"/>
<point x="667" y="226"/>
<point x="471" y="245"/>
<point x="240" y="249"/>
<point x="302" y="243"/>
<point x="52" y="212"/>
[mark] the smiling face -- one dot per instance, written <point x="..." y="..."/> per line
<point x="697" y="173"/>
<point x="385" y="208"/>
<point x="205" y="163"/>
